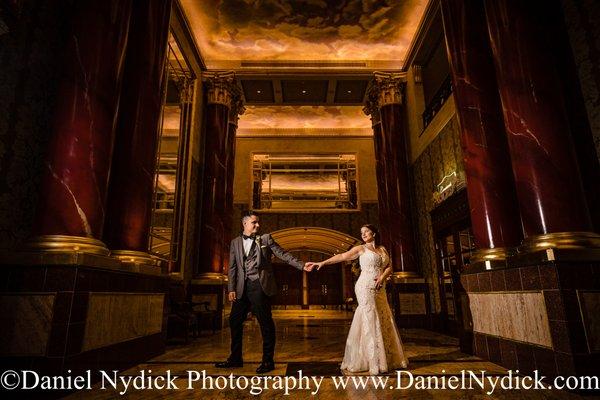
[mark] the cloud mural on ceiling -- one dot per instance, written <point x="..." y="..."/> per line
<point x="262" y="117"/>
<point x="304" y="29"/>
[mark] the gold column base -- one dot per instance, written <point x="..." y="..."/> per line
<point x="65" y="243"/>
<point x="210" y="278"/>
<point x="133" y="256"/>
<point x="405" y="275"/>
<point x="560" y="240"/>
<point x="495" y="254"/>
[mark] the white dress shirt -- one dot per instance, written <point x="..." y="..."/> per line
<point x="247" y="245"/>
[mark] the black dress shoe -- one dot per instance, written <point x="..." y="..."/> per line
<point x="265" y="367"/>
<point x="229" y="364"/>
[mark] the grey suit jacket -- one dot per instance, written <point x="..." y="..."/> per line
<point x="268" y="247"/>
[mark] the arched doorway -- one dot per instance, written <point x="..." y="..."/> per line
<point x="329" y="287"/>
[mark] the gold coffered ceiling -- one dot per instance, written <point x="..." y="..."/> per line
<point x="352" y="34"/>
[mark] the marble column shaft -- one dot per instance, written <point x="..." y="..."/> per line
<point x="134" y="159"/>
<point x="490" y="185"/>
<point x="75" y="181"/>
<point x="229" y="173"/>
<point x="547" y="176"/>
<point x="213" y="249"/>
<point x="382" y="194"/>
<point x="393" y="133"/>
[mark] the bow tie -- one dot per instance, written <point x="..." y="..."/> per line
<point x="249" y="237"/>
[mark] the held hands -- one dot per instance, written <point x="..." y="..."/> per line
<point x="312" y="265"/>
<point x="308" y="267"/>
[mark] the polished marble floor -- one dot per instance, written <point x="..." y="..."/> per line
<point x="310" y="346"/>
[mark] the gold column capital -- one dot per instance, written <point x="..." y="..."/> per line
<point x="237" y="108"/>
<point x="371" y="107"/>
<point x="388" y="87"/>
<point x="222" y="87"/>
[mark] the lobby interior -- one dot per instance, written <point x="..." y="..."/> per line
<point x="134" y="136"/>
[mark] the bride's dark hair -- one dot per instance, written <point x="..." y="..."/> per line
<point x="376" y="236"/>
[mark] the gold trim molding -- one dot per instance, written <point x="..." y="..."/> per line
<point x="495" y="254"/>
<point x="65" y="243"/>
<point x="560" y="240"/>
<point x="405" y="275"/>
<point x="210" y="278"/>
<point x="132" y="256"/>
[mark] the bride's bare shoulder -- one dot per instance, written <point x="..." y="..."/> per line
<point x="357" y="250"/>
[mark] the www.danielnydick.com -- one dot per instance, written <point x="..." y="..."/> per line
<point x="199" y="380"/>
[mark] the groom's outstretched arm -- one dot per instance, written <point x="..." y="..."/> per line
<point x="284" y="255"/>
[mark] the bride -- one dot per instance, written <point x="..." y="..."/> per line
<point x="373" y="345"/>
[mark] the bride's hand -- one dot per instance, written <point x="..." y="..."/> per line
<point x="379" y="282"/>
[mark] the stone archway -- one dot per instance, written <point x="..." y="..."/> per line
<point x="330" y="286"/>
<point x="319" y="240"/>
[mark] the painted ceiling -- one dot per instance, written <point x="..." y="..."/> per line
<point x="306" y="30"/>
<point x="311" y="117"/>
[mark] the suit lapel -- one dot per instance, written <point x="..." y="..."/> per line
<point x="240" y="251"/>
<point x="259" y="251"/>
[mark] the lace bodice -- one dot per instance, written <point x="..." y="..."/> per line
<point x="371" y="262"/>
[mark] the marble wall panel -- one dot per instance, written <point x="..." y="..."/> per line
<point x="118" y="317"/>
<point x="518" y="316"/>
<point x="442" y="156"/>
<point x="584" y="36"/>
<point x="25" y="324"/>
<point x="590" y="310"/>
<point x="412" y="303"/>
<point x="211" y="298"/>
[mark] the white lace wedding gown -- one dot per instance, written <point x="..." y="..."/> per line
<point x="373" y="343"/>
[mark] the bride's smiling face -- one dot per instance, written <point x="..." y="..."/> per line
<point x="366" y="234"/>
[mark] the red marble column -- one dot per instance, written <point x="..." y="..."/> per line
<point x="547" y="177"/>
<point x="490" y="186"/>
<point x="129" y="203"/>
<point x="237" y="108"/>
<point x="71" y="209"/>
<point x="212" y="250"/>
<point x="394" y="156"/>
<point x="372" y="109"/>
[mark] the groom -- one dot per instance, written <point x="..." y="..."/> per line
<point x="251" y="285"/>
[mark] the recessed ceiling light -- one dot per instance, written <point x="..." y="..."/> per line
<point x="304" y="91"/>
<point x="258" y="91"/>
<point x="349" y="91"/>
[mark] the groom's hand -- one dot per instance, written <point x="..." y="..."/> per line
<point x="232" y="296"/>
